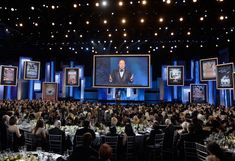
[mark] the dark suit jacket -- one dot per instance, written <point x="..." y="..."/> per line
<point x="82" y="131"/>
<point x="57" y="131"/>
<point x="124" y="80"/>
<point x="169" y="136"/>
<point x="153" y="132"/>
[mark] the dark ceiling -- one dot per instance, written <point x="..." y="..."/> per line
<point x="60" y="27"/>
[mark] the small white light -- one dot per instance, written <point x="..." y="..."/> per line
<point x="120" y="3"/>
<point x="123" y="21"/>
<point x="52" y="7"/>
<point x="181" y="19"/>
<point x="144" y="2"/>
<point x="75" y="5"/>
<point x="168" y="1"/>
<point x="141" y="20"/>
<point x="104" y="3"/>
<point x="221" y="18"/>
<point x="97" y="4"/>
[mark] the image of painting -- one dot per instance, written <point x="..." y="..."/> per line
<point x="208" y="69"/>
<point x="224" y="79"/>
<point x="72" y="77"/>
<point x="31" y="70"/>
<point x="9" y="75"/>
<point x="175" y="75"/>
<point x="198" y="93"/>
<point x="49" y="91"/>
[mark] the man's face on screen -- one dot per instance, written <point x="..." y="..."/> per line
<point x="122" y="64"/>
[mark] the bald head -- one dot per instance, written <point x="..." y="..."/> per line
<point x="57" y="123"/>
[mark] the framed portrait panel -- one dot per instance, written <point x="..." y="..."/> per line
<point x="198" y="93"/>
<point x="175" y="75"/>
<point x="233" y="86"/>
<point x="208" y="69"/>
<point x="71" y="76"/>
<point x="121" y="71"/>
<point x="8" y="75"/>
<point x="31" y="70"/>
<point x="49" y="91"/>
<point x="224" y="76"/>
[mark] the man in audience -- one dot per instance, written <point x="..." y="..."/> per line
<point x="84" y="152"/>
<point x="85" y="129"/>
<point x="57" y="131"/>
<point x="169" y="135"/>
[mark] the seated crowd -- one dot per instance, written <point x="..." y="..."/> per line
<point x="178" y="123"/>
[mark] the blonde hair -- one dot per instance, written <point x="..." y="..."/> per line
<point x="114" y="121"/>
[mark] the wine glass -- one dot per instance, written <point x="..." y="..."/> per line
<point x="39" y="150"/>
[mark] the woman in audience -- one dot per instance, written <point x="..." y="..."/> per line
<point x="17" y="136"/>
<point x="4" y="123"/>
<point x="40" y="134"/>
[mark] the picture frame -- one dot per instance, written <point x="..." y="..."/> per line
<point x="50" y="91"/>
<point x="175" y="75"/>
<point x="198" y="93"/>
<point x="71" y="77"/>
<point x="224" y="76"/>
<point x="32" y="70"/>
<point x="9" y="75"/>
<point x="208" y="69"/>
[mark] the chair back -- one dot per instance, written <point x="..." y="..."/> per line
<point x="55" y="143"/>
<point x="190" y="153"/>
<point x="159" y="138"/>
<point x="201" y="152"/>
<point x="29" y="141"/>
<point x="130" y="148"/>
<point x="113" y="142"/>
<point x="10" y="140"/>
<point x="79" y="140"/>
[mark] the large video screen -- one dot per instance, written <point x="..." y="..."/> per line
<point x="121" y="71"/>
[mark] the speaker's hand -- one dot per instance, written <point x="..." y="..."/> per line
<point x="110" y="79"/>
<point x="132" y="78"/>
